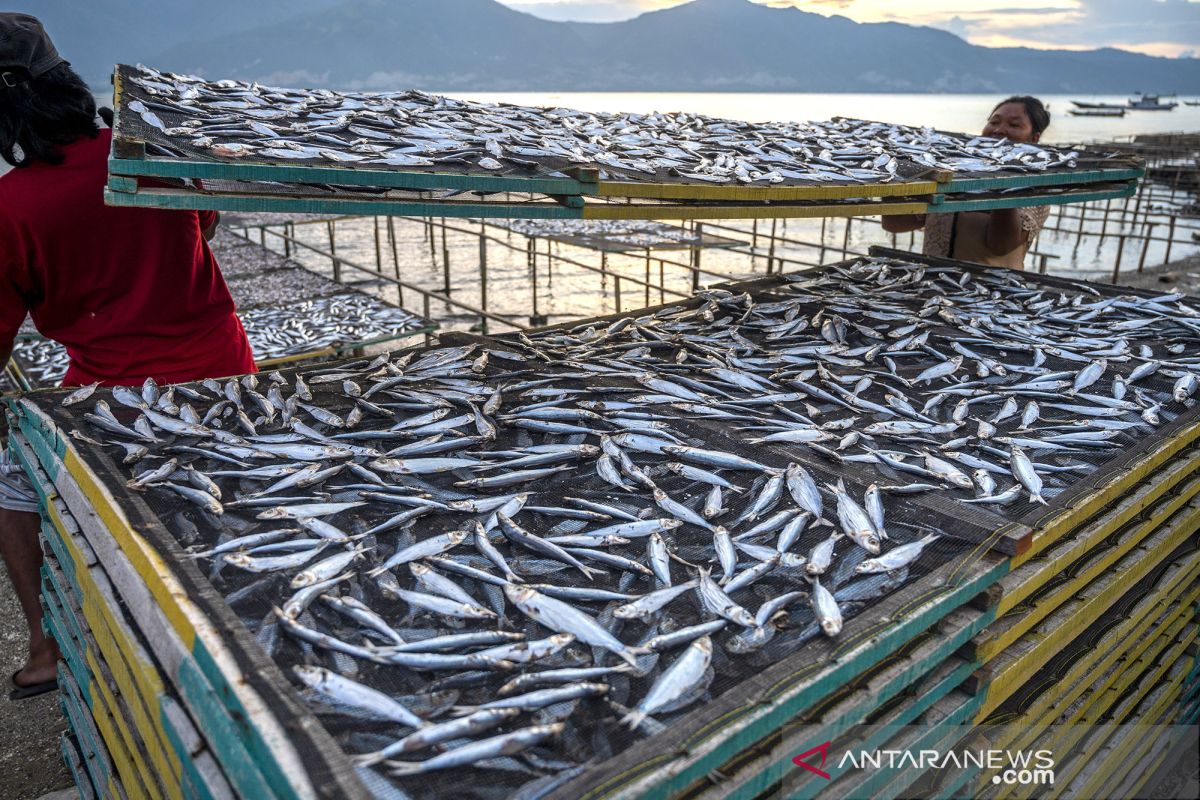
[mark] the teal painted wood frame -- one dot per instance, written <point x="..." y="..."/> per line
<point x="342" y="176"/>
<point x="943" y="206"/>
<point x="1040" y="179"/>
<point x="158" y="198"/>
<point x="660" y="783"/>
<point x="198" y="679"/>
<point x="200" y="773"/>
<point x="773" y="773"/>
<point x="886" y="783"/>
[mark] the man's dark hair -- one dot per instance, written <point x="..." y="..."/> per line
<point x="1039" y="117"/>
<point x="39" y="116"/>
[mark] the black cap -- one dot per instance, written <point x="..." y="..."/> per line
<point x="24" y="45"/>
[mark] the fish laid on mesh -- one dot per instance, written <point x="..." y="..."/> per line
<point x="234" y="120"/>
<point x="513" y="559"/>
<point x="274" y="332"/>
<point x="635" y="233"/>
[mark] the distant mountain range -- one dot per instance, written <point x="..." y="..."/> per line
<point x="462" y="45"/>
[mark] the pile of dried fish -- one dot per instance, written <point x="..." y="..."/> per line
<point x="273" y="331"/>
<point x="635" y="233"/>
<point x="234" y="120"/>
<point x="509" y="556"/>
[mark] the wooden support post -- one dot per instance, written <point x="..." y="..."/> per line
<point x="1146" y="246"/>
<point x="617" y="293"/>
<point x="1079" y="237"/>
<point x="1120" y="252"/>
<point x="1170" y="239"/>
<point x="662" y="283"/>
<point x="549" y="265"/>
<point x="445" y="260"/>
<point x="535" y="319"/>
<point x="1043" y="260"/>
<point x="754" y="234"/>
<point x="821" y="258"/>
<point x="378" y="248"/>
<point x="483" y="281"/>
<point x="262" y="235"/>
<point x="425" y="305"/>
<point x="432" y="244"/>
<point x="771" y="248"/>
<point x="647" y="301"/>
<point x="288" y="233"/>
<point x="696" y="258"/>
<point x="603" y="267"/>
<point x="1104" y="224"/>
<point x="391" y="229"/>
<point x="337" y="265"/>
<point x="846" y="239"/>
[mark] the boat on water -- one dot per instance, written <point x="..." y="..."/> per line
<point x="1097" y="112"/>
<point x="1191" y="102"/>
<point x="1093" y="106"/>
<point x="1150" y="102"/>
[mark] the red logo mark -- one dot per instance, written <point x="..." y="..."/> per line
<point x="800" y="761"/>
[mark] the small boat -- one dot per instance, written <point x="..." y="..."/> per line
<point x="1096" y="112"/>
<point x="1191" y="102"/>
<point x="1082" y="104"/>
<point x="1150" y="102"/>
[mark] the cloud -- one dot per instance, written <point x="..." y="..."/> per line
<point x="1150" y="25"/>
<point x="589" y="10"/>
<point x="1160" y="27"/>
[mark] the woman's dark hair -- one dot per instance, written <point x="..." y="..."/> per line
<point x="40" y="115"/>
<point x="1039" y="117"/>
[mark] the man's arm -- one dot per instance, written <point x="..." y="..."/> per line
<point x="902" y="223"/>
<point x="211" y="230"/>
<point x="5" y="354"/>
<point x="1004" y="232"/>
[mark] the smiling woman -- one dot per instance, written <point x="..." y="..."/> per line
<point x="999" y="238"/>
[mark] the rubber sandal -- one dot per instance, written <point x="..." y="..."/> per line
<point x="20" y="692"/>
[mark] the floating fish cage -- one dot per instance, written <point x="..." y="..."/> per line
<point x="240" y="147"/>
<point x="987" y="608"/>
<point x="332" y="320"/>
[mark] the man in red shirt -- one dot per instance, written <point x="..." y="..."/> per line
<point x="131" y="293"/>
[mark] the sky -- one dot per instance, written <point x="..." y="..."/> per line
<point x="1156" y="27"/>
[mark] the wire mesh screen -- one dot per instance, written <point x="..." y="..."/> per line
<point x="546" y="550"/>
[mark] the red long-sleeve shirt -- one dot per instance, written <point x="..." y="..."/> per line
<point x="130" y="292"/>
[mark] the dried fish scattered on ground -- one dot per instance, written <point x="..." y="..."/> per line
<point x="232" y="120"/>
<point x="273" y="331"/>
<point x="520" y="556"/>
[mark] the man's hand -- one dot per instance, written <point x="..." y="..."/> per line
<point x="902" y="223"/>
